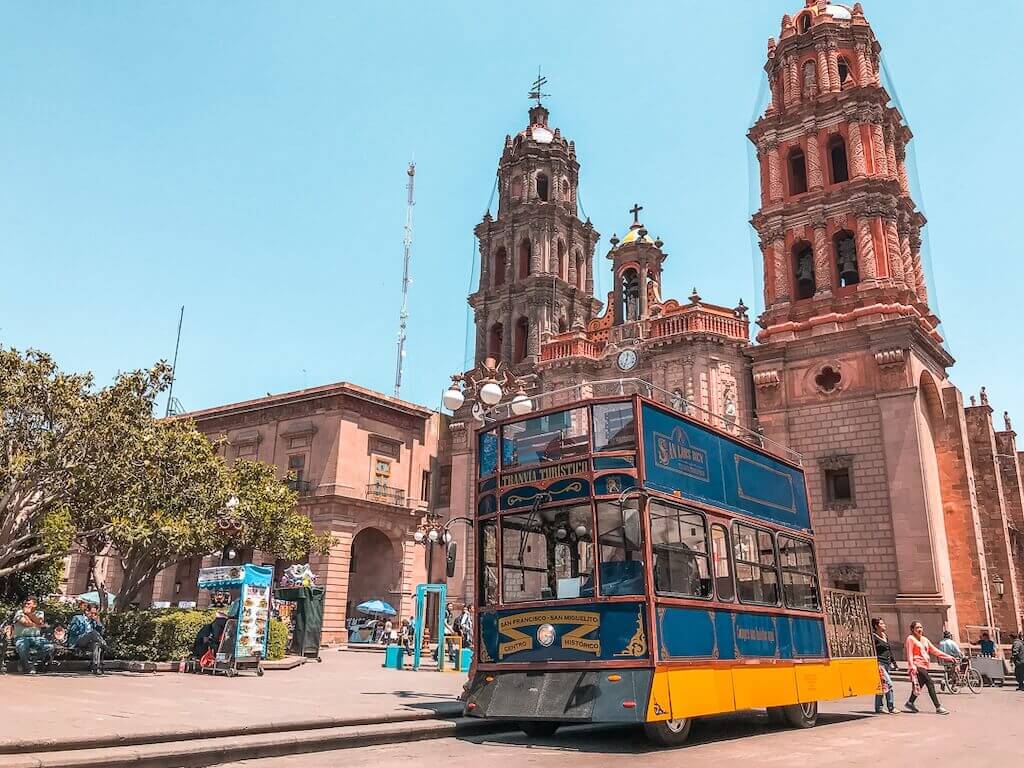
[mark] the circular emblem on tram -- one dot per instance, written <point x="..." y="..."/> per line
<point x="545" y="635"/>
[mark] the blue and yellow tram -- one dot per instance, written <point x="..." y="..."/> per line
<point x="634" y="564"/>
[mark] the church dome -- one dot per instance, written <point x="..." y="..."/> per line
<point x="839" y="12"/>
<point x="634" y="236"/>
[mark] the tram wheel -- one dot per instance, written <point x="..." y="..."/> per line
<point x="538" y="729"/>
<point x="669" y="733"/>
<point x="800" y="715"/>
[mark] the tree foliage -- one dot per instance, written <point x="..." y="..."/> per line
<point x="96" y="465"/>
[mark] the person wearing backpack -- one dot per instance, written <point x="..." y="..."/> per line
<point x="1017" y="657"/>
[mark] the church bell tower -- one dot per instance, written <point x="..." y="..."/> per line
<point x="536" y="255"/>
<point x="850" y="369"/>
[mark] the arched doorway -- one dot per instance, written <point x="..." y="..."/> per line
<point x="371" y="570"/>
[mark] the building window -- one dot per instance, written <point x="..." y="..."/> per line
<point x="679" y="541"/>
<point x="498" y="274"/>
<point x="630" y="296"/>
<point x="297" y="467"/>
<point x="799" y="573"/>
<point x="844" y="72"/>
<point x="757" y="576"/>
<point x="838" y="482"/>
<point x="519" y="340"/>
<point x="837" y="159"/>
<point x="828" y="379"/>
<point x="846" y="259"/>
<point x="525" y="251"/>
<point x="425" y="486"/>
<point x="494" y="341"/>
<point x="803" y="257"/>
<point x="797" y="172"/>
<point x="614" y="427"/>
<point x="381" y="473"/>
<point x="542" y="186"/>
<point x="722" y="564"/>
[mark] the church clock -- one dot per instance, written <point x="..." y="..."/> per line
<point x="627" y="359"/>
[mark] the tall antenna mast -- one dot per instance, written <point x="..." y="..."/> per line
<point x="174" y="365"/>
<point x="403" y="316"/>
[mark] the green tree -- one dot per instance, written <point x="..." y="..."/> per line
<point x="45" y="445"/>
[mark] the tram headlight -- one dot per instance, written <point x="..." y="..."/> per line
<point x="545" y="635"/>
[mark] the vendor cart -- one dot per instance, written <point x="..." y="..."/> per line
<point x="991" y="667"/>
<point x="309" y="619"/>
<point x="243" y="644"/>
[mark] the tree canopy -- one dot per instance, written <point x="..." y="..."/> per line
<point x="96" y="465"/>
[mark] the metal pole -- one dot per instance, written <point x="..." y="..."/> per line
<point x="403" y="316"/>
<point x="174" y="365"/>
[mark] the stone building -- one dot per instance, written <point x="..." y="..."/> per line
<point x="362" y="464"/>
<point x="915" y="499"/>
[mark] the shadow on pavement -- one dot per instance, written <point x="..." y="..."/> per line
<point x="630" y="739"/>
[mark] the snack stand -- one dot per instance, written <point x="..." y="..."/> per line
<point x="243" y="644"/>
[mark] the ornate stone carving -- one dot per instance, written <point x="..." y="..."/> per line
<point x="833" y="65"/>
<point x="823" y="74"/>
<point x="781" y="270"/>
<point x="857" y="163"/>
<point x="822" y="258"/>
<point x="866" y="249"/>
<point x="892" y="365"/>
<point x="767" y="379"/>
<point x="846" y="573"/>
<point x="815" y="177"/>
<point x="878" y="150"/>
<point x="892" y="242"/>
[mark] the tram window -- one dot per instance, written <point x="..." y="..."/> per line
<point x="723" y="568"/>
<point x="614" y="427"/>
<point x="488" y="590"/>
<point x="620" y="548"/>
<point x="679" y="541"/>
<point x="799" y="573"/>
<point x="757" y="578"/>
<point x="548" y="555"/>
<point x="552" y="437"/>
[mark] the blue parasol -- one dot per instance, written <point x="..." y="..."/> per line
<point x="376" y="607"/>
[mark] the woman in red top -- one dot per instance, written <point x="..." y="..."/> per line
<point x="918" y="648"/>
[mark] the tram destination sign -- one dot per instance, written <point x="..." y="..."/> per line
<point x="544" y="473"/>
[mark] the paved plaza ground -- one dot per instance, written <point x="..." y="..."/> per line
<point x="346" y="685"/>
<point x="983" y="730"/>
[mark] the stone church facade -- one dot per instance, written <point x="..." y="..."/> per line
<point x="916" y="500"/>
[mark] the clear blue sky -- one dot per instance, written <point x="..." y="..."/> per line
<point x="247" y="160"/>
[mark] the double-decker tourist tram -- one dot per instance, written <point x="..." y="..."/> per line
<point x="636" y="563"/>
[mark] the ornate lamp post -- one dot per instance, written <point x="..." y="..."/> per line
<point x="488" y="384"/>
<point x="228" y="522"/>
<point x="429" y="532"/>
<point x="997" y="582"/>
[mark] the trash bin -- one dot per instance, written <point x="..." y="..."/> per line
<point x="394" y="657"/>
<point x="465" y="659"/>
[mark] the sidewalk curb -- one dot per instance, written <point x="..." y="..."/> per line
<point x="213" y="751"/>
<point x="445" y="710"/>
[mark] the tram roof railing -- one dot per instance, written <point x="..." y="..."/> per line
<point x="626" y="387"/>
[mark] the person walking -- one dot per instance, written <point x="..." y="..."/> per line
<point x="883" y="652"/>
<point x="919" y="650"/>
<point x="1017" y="657"/>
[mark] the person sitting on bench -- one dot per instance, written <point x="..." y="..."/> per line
<point x="86" y="633"/>
<point x="28" y="639"/>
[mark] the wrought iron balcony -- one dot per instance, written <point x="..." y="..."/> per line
<point x="385" y="494"/>
<point x="301" y="487"/>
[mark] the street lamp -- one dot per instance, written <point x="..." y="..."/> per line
<point x="997" y="581"/>
<point x="488" y="384"/>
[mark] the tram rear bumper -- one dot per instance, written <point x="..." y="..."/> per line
<point x="583" y="696"/>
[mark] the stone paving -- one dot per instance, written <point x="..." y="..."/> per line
<point x="62" y="706"/>
<point x="983" y="731"/>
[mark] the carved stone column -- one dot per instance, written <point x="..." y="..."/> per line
<point x="536" y="253"/>
<point x="878" y="155"/>
<point x="780" y="266"/>
<point x="793" y="80"/>
<point x="890" y="151"/>
<point x="510" y="258"/>
<point x="507" y="331"/>
<point x="824" y="78"/>
<point x="863" y="66"/>
<point x="909" y="271"/>
<point x="532" y="331"/>
<point x="901" y="166"/>
<point x="857" y="165"/>
<point x="833" y="66"/>
<point x="482" y="326"/>
<point x="815" y="178"/>
<point x="822" y="257"/>
<point x="643" y="291"/>
<point x="866" y="260"/>
<point x="915" y="257"/>
<point x="892" y="245"/>
<point x="774" y="171"/>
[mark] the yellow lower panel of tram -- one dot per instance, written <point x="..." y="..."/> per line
<point x="694" y="691"/>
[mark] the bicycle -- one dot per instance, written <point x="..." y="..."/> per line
<point x="961" y="675"/>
